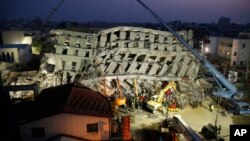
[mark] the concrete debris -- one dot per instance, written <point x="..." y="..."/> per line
<point x="150" y="56"/>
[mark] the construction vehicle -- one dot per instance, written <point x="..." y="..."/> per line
<point x="226" y="89"/>
<point x="157" y="103"/>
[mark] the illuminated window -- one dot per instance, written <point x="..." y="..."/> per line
<point x="38" y="132"/>
<point x="92" y="127"/>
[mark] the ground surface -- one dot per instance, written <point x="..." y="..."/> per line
<point x="146" y="126"/>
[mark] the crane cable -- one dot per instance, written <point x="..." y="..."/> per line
<point x="54" y="10"/>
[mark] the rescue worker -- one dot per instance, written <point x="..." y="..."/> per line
<point x="211" y="107"/>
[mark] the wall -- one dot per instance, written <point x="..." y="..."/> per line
<point x="15" y="37"/>
<point x="74" y="125"/>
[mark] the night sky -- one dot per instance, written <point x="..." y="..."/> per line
<point x="200" y="11"/>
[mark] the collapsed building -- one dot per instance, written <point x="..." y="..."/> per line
<point x="142" y="59"/>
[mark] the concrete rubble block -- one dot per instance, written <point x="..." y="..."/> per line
<point x="182" y="70"/>
<point x="153" y="69"/>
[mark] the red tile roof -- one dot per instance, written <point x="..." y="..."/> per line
<point x="71" y="98"/>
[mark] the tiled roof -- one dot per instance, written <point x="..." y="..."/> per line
<point x="71" y="98"/>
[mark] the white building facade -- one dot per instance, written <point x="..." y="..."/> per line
<point x="235" y="49"/>
<point x="16" y="53"/>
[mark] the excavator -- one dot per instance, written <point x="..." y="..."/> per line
<point x="156" y="104"/>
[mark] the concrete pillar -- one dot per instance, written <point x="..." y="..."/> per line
<point x="163" y="69"/>
<point x="153" y="69"/>
<point x="182" y="70"/>
<point x="143" y="68"/>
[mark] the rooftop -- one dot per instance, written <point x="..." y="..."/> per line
<point x="70" y="98"/>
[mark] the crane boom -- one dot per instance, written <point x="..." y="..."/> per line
<point x="219" y="77"/>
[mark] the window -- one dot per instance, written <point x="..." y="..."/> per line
<point x="234" y="63"/>
<point x="66" y="43"/>
<point x="174" y="48"/>
<point x="243" y="45"/>
<point x="229" y="44"/>
<point x="156" y="38"/>
<point x="207" y="41"/>
<point x="165" y="39"/>
<point x="64" y="51"/>
<point x="136" y="44"/>
<point x="86" y="54"/>
<point x="137" y="36"/>
<point x="147" y="37"/>
<point x="88" y="41"/>
<point x="76" y="52"/>
<point x="78" y="45"/>
<point x="241" y="63"/>
<point x="38" y="132"/>
<point x="235" y="53"/>
<point x="147" y="45"/>
<point x="222" y="43"/>
<point x="92" y="127"/>
<point x="73" y="66"/>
